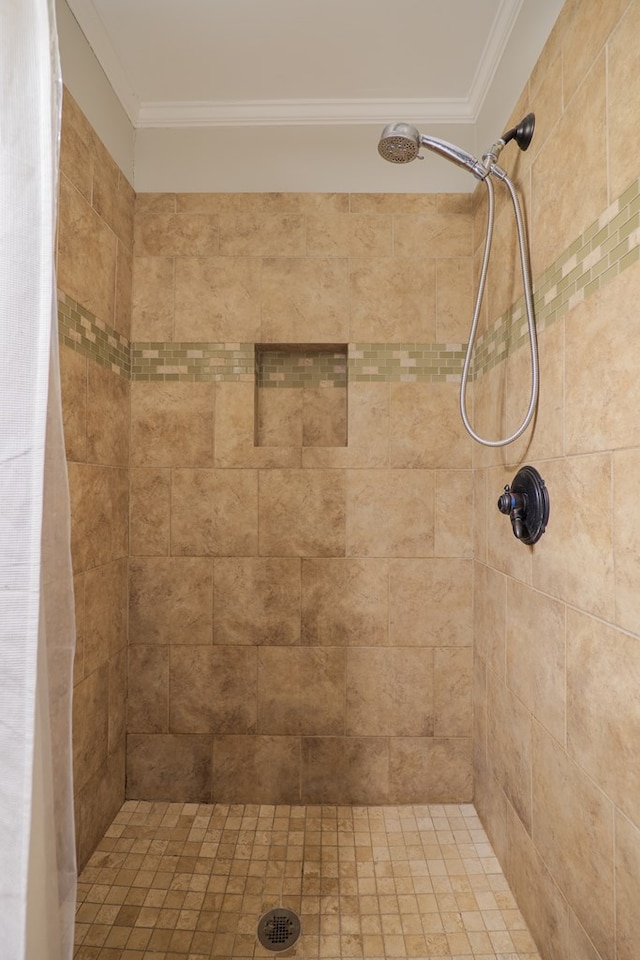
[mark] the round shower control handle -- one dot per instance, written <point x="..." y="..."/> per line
<point x="526" y="502"/>
<point x="508" y="501"/>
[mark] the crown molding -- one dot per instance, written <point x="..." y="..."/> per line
<point x="98" y="39"/>
<point x="202" y="113"/>
<point x="499" y="37"/>
<point x="217" y="113"/>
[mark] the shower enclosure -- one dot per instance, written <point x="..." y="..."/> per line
<point x="212" y="511"/>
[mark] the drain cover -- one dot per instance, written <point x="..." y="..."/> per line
<point x="278" y="929"/>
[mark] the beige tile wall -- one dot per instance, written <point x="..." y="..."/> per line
<point x="94" y="261"/>
<point x="557" y="647"/>
<point x="300" y="620"/>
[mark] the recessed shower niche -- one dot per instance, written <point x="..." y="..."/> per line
<point x="301" y="395"/>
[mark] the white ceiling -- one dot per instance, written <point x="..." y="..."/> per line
<point x="234" y="66"/>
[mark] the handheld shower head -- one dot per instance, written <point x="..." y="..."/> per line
<point x="399" y="143"/>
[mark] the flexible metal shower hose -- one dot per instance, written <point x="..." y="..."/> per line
<point x="528" y="299"/>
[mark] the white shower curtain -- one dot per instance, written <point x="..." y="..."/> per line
<point x="37" y="858"/>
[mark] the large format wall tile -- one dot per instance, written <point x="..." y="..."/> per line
<point x="452" y="692"/>
<point x="457" y="502"/>
<point x="217" y="299"/>
<point x="622" y="96"/>
<point x="551" y="920"/>
<point x="509" y="746"/>
<point x="389" y="692"/>
<point x="566" y="198"/>
<point x="548" y="439"/>
<point x="349" y="235"/>
<point x="626" y="532"/>
<point x="148" y="699"/>
<point x="76" y="147"/>
<point x="425" y="428"/>
<point x="584" y="42"/>
<point x="603" y="670"/>
<point x="338" y="770"/>
<point x="560" y="789"/>
<point x="98" y="802"/>
<point x="118" y="692"/>
<point x="430" y="603"/>
<point x="107" y="415"/>
<point x="390" y="513"/>
<point x="304" y="301"/>
<point x="302" y="513"/>
<point x="212" y="689"/>
<point x="285" y="678"/>
<point x="393" y="301"/>
<point x="176" y="235"/>
<point x="99" y="514"/>
<point x="536" y="662"/>
<point x="344" y="602"/>
<point x="149" y="503"/>
<point x="257" y="769"/>
<point x="153" y="298"/>
<point x="257" y="601"/>
<point x="169" y="767"/>
<point x="435" y="767"/>
<point x="627" y="872"/>
<point x="91" y="726"/>
<point x="113" y="197"/>
<point x="574" y="560"/>
<point x="171" y="600"/>
<point x="214" y="513"/>
<point x="455" y="294"/>
<point x="105" y="609"/>
<point x="597" y="349"/>
<point x="255" y="234"/>
<point x="442" y="234"/>
<point x="172" y="424"/>
<point x="367" y="431"/>
<point x="86" y="255"/>
<point x="73" y="381"/>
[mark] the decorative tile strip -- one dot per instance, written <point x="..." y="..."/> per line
<point x="607" y="247"/>
<point x="86" y="334"/>
<point x="406" y="362"/>
<point x="298" y="365"/>
<point x="193" y="362"/>
<point x="301" y="366"/>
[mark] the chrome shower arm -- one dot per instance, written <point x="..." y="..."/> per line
<point x="456" y="154"/>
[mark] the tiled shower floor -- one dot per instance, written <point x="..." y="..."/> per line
<point x="172" y="881"/>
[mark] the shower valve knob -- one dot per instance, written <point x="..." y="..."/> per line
<point x="526" y="502"/>
<point x="506" y="502"/>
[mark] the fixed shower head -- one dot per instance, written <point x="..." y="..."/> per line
<point x="400" y="143"/>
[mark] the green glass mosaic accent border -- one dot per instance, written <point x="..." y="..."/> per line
<point x="297" y="366"/>
<point x="84" y="333"/>
<point x="607" y="247"/>
<point x="406" y="362"/>
<point x="192" y="361"/>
